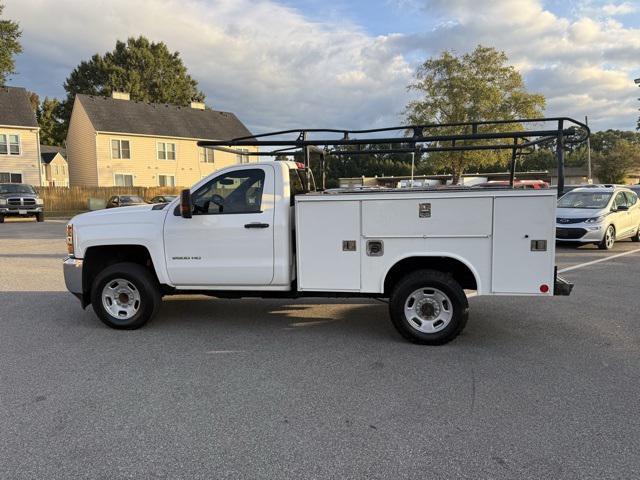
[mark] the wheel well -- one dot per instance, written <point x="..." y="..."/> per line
<point x="460" y="272"/>
<point x="98" y="258"/>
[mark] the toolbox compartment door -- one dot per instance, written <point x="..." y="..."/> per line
<point x="324" y="261"/>
<point x="519" y="265"/>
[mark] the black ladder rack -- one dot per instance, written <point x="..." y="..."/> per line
<point x="444" y="137"/>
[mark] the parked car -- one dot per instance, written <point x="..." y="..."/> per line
<point x="600" y="215"/>
<point x="529" y="184"/>
<point x="163" y="199"/>
<point x="125" y="201"/>
<point x="20" y="200"/>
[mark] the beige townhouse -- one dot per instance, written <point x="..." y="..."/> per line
<point x="115" y="141"/>
<point x="55" y="170"/>
<point x="19" y="138"/>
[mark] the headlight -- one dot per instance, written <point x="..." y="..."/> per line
<point x="596" y="219"/>
<point x="39" y="201"/>
<point x="3" y="201"/>
<point x="70" y="249"/>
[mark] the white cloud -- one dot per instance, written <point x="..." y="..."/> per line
<point x="584" y="65"/>
<point x="277" y="68"/>
<point x="619" y="9"/>
<point x="266" y="62"/>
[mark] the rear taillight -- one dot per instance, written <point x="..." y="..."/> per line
<point x="70" y="249"/>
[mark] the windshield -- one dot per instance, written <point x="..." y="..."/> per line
<point x="584" y="200"/>
<point x="16" y="188"/>
<point x="131" y="199"/>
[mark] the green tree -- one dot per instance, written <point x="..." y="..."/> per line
<point x="9" y="46"/>
<point x="148" y="71"/>
<point x="476" y="86"/>
<point x="52" y="131"/>
<point x="613" y="164"/>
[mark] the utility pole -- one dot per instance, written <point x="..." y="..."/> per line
<point x="589" y="177"/>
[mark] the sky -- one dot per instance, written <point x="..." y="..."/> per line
<point x="346" y="64"/>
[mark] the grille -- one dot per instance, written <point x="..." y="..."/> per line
<point x="570" y="220"/>
<point x="570" y="233"/>
<point x="20" y="202"/>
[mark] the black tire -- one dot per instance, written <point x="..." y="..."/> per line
<point x="1" y="218"/>
<point x="603" y="245"/>
<point x="40" y="217"/>
<point x="426" y="280"/>
<point x="145" y="283"/>
<point x="636" y="237"/>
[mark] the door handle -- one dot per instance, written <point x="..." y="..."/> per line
<point x="256" y="225"/>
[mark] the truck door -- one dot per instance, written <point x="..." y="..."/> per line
<point x="229" y="239"/>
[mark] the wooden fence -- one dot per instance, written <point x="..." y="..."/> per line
<point x="68" y="201"/>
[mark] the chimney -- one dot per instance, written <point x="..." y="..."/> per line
<point x="120" y="95"/>
<point x="197" y="105"/>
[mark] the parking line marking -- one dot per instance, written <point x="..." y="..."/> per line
<point x="593" y="262"/>
<point x="213" y="352"/>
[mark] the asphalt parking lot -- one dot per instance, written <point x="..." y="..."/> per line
<point x="534" y="388"/>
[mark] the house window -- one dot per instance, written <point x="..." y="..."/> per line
<point x="166" y="180"/>
<point x="120" y="149"/>
<point x="10" y="144"/>
<point x="9" y="177"/>
<point x="123" y="180"/>
<point x="206" y="155"/>
<point x="166" y="151"/>
<point x="243" y="158"/>
<point x="56" y="169"/>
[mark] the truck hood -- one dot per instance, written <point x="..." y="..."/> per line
<point x="115" y="215"/>
<point x="18" y="195"/>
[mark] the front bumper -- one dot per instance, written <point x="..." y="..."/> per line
<point x="72" y="268"/>
<point x="10" y="211"/>
<point x="580" y="232"/>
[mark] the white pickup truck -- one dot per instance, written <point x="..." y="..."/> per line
<point x="250" y="230"/>
<point x="258" y="230"/>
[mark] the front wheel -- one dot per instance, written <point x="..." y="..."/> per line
<point x="40" y="217"/>
<point x="428" y="307"/>
<point x="609" y="238"/>
<point x="125" y="296"/>
<point x="636" y="237"/>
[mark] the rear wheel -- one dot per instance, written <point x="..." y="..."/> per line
<point x="609" y="238"/>
<point x="636" y="237"/>
<point x="428" y="307"/>
<point x="125" y="296"/>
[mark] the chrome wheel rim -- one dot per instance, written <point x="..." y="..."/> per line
<point x="121" y="298"/>
<point x="428" y="310"/>
<point x="609" y="238"/>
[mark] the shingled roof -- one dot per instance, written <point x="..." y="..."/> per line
<point x="132" y="117"/>
<point x="15" y="108"/>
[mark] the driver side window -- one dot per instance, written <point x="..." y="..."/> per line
<point x="234" y="192"/>
<point x="620" y="199"/>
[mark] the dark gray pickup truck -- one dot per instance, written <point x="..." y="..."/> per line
<point x="20" y="200"/>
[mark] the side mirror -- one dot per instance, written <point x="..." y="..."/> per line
<point x="185" y="203"/>
<point x="622" y="208"/>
